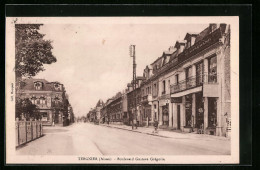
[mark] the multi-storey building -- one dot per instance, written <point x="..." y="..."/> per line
<point x="201" y="91"/>
<point x="116" y="109"/>
<point x="134" y="101"/>
<point x="94" y="115"/>
<point x="191" y="82"/>
<point x="146" y="97"/>
<point x="49" y="97"/>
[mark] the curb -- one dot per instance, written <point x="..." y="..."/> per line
<point x="137" y="131"/>
<point x="154" y="134"/>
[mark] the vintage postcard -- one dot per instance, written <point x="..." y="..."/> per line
<point x="122" y="90"/>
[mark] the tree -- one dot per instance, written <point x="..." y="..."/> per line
<point x="25" y="107"/>
<point x="31" y="50"/>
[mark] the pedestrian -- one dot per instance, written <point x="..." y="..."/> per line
<point x="135" y="123"/>
<point x="53" y="124"/>
<point x="155" y="126"/>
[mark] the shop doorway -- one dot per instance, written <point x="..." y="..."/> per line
<point x="165" y="111"/>
<point x="178" y="117"/>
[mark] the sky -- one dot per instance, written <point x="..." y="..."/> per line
<point x="93" y="60"/>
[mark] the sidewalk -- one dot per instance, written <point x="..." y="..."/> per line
<point x="167" y="133"/>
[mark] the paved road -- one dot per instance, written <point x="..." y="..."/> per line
<point x="89" y="139"/>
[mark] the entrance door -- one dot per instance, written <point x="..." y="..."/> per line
<point x="178" y="117"/>
<point x="165" y="115"/>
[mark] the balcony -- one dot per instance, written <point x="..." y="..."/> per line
<point x="147" y="98"/>
<point x="195" y="81"/>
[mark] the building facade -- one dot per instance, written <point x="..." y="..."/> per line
<point x="49" y="97"/>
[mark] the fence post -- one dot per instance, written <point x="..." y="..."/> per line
<point x="25" y="131"/>
<point x="37" y="129"/>
<point x="40" y="129"/>
<point x="31" y="130"/>
<point x="18" y="123"/>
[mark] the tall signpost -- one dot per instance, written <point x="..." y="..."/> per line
<point x="132" y="54"/>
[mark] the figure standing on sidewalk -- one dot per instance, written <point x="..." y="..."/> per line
<point x="155" y="126"/>
<point x="134" y="124"/>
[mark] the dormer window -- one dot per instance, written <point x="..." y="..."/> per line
<point x="57" y="86"/>
<point x="38" y="85"/>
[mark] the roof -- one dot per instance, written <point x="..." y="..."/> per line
<point x="190" y="34"/>
<point x="100" y="103"/>
<point x="29" y="84"/>
<point x="179" y="42"/>
<point x="202" y="34"/>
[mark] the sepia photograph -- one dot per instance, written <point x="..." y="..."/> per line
<point x="122" y="90"/>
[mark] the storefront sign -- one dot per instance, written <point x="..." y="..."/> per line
<point x="176" y="99"/>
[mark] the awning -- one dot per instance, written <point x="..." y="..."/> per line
<point x="183" y="93"/>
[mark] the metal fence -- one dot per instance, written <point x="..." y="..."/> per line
<point x="26" y="131"/>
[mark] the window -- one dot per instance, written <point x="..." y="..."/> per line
<point x="163" y="87"/>
<point x="199" y="73"/>
<point x="154" y="89"/>
<point x="169" y="84"/>
<point x="188" y="73"/>
<point x="212" y="77"/>
<point x="189" y="78"/>
<point x="33" y="99"/>
<point x="38" y="85"/>
<point x="177" y="78"/>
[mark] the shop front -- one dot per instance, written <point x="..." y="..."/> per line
<point x="164" y="112"/>
<point x="176" y="103"/>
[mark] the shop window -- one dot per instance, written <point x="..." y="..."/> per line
<point x="199" y="110"/>
<point x="212" y="77"/>
<point x="188" y="110"/>
<point x="212" y="112"/>
<point x="44" y="116"/>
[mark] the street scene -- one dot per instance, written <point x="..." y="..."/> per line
<point x="89" y="139"/>
<point x="122" y="88"/>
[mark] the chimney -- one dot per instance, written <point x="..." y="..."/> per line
<point x="213" y="27"/>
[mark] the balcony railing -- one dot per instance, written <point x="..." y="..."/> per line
<point x="194" y="81"/>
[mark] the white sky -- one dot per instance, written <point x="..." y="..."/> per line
<point x="93" y="60"/>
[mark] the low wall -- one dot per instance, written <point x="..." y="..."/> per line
<point x="26" y="131"/>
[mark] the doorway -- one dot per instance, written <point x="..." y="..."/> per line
<point x="178" y="117"/>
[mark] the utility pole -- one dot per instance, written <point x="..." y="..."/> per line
<point x="132" y="54"/>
